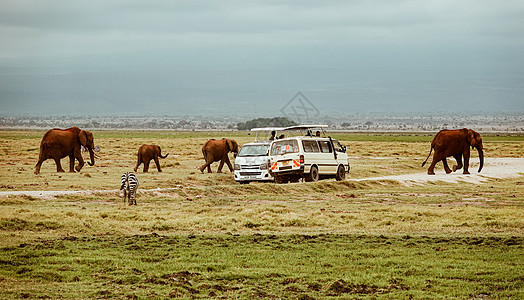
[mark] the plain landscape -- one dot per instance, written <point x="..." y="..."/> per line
<point x="385" y="232"/>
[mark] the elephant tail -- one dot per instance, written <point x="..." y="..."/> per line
<point x="160" y="153"/>
<point x="428" y="156"/>
<point x="43" y="149"/>
<point x="204" y="151"/>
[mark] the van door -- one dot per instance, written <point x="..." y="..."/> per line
<point x="327" y="152"/>
<point x="312" y="155"/>
<point x="342" y="157"/>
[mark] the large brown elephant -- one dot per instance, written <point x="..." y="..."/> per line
<point x="218" y="150"/>
<point x="455" y="143"/>
<point x="59" y="143"/>
<point x="146" y="153"/>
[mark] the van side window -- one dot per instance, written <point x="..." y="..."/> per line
<point x="325" y="146"/>
<point x="310" y="146"/>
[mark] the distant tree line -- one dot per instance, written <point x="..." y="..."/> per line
<point x="266" y="122"/>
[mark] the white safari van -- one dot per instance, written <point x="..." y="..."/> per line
<point x="251" y="161"/>
<point x="311" y="156"/>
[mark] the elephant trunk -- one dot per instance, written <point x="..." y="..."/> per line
<point x="481" y="158"/>
<point x="92" y="156"/>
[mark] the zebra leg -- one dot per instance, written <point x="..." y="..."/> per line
<point x="130" y="198"/>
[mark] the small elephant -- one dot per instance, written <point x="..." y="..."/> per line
<point x="218" y="150"/>
<point x="60" y="143"/>
<point x="455" y="143"/>
<point x="146" y="153"/>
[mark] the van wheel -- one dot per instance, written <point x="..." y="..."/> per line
<point x="341" y="173"/>
<point x="313" y="174"/>
<point x="278" y="179"/>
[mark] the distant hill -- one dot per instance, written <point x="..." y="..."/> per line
<point x="265" y="122"/>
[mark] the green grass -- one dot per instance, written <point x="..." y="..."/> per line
<point x="263" y="266"/>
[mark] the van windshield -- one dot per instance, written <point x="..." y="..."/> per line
<point x="253" y="150"/>
<point x="283" y="147"/>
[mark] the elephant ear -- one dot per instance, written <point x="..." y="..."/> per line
<point x="83" y="137"/>
<point x="229" y="145"/>
<point x="472" y="138"/>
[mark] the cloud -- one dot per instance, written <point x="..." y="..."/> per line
<point x="60" y="26"/>
<point x="376" y="49"/>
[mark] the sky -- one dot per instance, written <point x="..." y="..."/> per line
<point x="254" y="57"/>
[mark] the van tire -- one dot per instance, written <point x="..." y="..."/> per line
<point x="278" y="179"/>
<point x="313" y="175"/>
<point x="341" y="173"/>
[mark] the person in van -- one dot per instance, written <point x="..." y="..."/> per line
<point x="272" y="137"/>
<point x="317" y="134"/>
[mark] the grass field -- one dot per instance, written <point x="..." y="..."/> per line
<point x="204" y="236"/>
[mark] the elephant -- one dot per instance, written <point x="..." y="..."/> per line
<point x="59" y="143"/>
<point x="146" y="153"/>
<point x="455" y="143"/>
<point x="218" y="150"/>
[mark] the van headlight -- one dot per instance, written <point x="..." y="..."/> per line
<point x="237" y="167"/>
<point x="263" y="166"/>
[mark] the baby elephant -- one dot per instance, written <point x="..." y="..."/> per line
<point x="146" y="153"/>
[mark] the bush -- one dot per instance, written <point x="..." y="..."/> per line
<point x="265" y="122"/>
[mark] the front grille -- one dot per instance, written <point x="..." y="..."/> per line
<point x="250" y="173"/>
<point x="250" y="167"/>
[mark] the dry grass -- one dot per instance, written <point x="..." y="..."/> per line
<point x="333" y="239"/>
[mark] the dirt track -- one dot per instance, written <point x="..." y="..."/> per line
<point x="493" y="168"/>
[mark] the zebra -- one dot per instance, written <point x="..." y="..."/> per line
<point x="130" y="186"/>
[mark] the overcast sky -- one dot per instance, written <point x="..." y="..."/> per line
<point x="252" y="57"/>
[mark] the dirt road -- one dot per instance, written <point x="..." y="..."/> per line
<point x="493" y="168"/>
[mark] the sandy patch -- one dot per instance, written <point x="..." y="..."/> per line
<point x="493" y="168"/>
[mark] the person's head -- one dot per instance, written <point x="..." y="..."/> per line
<point x="273" y="133"/>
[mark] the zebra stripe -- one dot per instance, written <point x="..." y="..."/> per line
<point x="129" y="183"/>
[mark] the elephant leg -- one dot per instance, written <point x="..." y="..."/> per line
<point x="80" y="161"/>
<point x="434" y="161"/>
<point x="71" y="163"/>
<point x="229" y="164"/>
<point x="146" y="166"/>
<point x="137" y="164"/>
<point x="206" y="165"/>
<point x="38" y="166"/>
<point x="466" y="162"/>
<point x="458" y="158"/>
<point x="220" y="166"/>
<point x="157" y="163"/>
<point x="446" y="167"/>
<point x="58" y="165"/>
